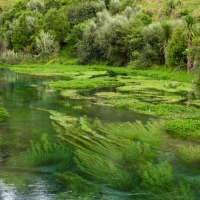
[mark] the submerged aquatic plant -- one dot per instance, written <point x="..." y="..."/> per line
<point x="121" y="156"/>
<point x="157" y="179"/>
<point x="109" y="153"/>
<point x="189" y="154"/>
<point x="43" y="153"/>
<point x="78" y="186"/>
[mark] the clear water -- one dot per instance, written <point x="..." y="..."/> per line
<point x="21" y="94"/>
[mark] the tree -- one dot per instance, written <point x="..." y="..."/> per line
<point x="21" y="36"/>
<point x="57" y="24"/>
<point x="44" y="42"/>
<point x="175" y="51"/>
<point x="154" y="36"/>
<point x="189" y="32"/>
<point x="52" y="4"/>
<point x="167" y="32"/>
<point x="36" y="6"/>
<point x="108" y="35"/>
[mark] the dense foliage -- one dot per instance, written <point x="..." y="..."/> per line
<point x="116" y="32"/>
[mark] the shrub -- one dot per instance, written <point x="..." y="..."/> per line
<point x="44" y="42"/>
<point x="52" y="4"/>
<point x="12" y="57"/>
<point x="114" y="6"/>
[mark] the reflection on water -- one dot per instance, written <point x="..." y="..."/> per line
<point x="34" y="186"/>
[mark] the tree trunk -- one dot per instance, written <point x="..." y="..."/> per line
<point x="189" y="58"/>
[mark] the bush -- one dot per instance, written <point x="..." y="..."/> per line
<point x="11" y="57"/>
<point x="44" y="42"/>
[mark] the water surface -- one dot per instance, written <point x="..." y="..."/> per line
<point x="22" y="95"/>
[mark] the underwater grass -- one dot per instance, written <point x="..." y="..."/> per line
<point x="104" y="154"/>
<point x="78" y="185"/>
<point x="157" y="179"/>
<point x="44" y="153"/>
<point x="189" y="153"/>
<point x="159" y="85"/>
<point x="120" y="157"/>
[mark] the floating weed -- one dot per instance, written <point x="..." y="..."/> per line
<point x="184" y="128"/>
<point x="162" y="110"/>
<point x="90" y="74"/>
<point x="85" y="84"/>
<point x="143" y="96"/>
<point x="77" y="107"/>
<point x="163" y="85"/>
<point x="73" y="94"/>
